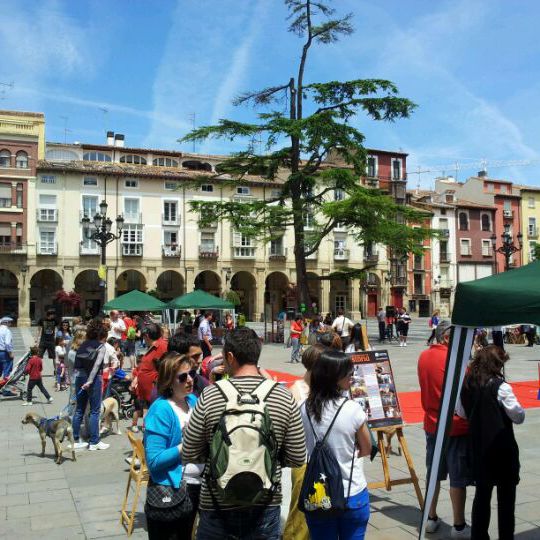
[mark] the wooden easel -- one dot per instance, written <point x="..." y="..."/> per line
<point x="387" y="482"/>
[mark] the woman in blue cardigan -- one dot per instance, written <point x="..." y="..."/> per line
<point x="164" y="422"/>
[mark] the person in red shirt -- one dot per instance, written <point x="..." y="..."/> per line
<point x="455" y="462"/>
<point x="34" y="369"/>
<point x="128" y="341"/>
<point x="148" y="370"/>
<point x="297" y="327"/>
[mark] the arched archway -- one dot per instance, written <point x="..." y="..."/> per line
<point x="245" y="285"/>
<point x="87" y="286"/>
<point x="208" y="281"/>
<point x="44" y="285"/>
<point x="130" y="280"/>
<point x="279" y="295"/>
<point x="170" y="284"/>
<point x="9" y="294"/>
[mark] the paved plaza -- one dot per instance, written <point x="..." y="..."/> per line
<point x="39" y="499"/>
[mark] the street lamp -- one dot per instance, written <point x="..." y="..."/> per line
<point x="508" y="248"/>
<point x="99" y="231"/>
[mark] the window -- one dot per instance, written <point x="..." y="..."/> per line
<point x="243" y="190"/>
<point x="90" y="181"/>
<point x="507" y="204"/>
<point x="133" y="159"/>
<point x="531" y="202"/>
<point x="96" y="156"/>
<point x="418" y="262"/>
<point x="47" y="208"/>
<point x="339" y="194"/>
<point x="486" y="222"/>
<point x="5" y="195"/>
<point x="21" y="160"/>
<point x="309" y="220"/>
<point x="171" y="186"/>
<point x="443" y="249"/>
<point x="5" y="158"/>
<point x="490" y="187"/>
<point x="170" y="238"/>
<point x="19" y="195"/>
<point x="463" y="221"/>
<point x="341" y="302"/>
<point x="5" y="234"/>
<point x="207" y="188"/>
<point x="131" y="183"/>
<point x="131" y="209"/>
<point x="170" y="212"/>
<point x="243" y="245"/>
<point x="532" y="226"/>
<point x="372" y="166"/>
<point x="276" y="247"/>
<point x="465" y="246"/>
<point x="396" y="169"/>
<point x="449" y="197"/>
<point x="165" y="162"/>
<point x="89" y="205"/>
<point x="418" y="284"/>
<point x="132" y="240"/>
<point x="61" y="155"/>
<point x="486" y="248"/>
<point x="340" y="249"/>
<point x="532" y="251"/>
<point x="443" y="211"/>
<point x="275" y="194"/>
<point x="47" y="242"/>
<point x="208" y="244"/>
<point x="197" y="166"/>
<point x="48" y="179"/>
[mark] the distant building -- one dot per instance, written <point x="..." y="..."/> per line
<point x="530" y="221"/>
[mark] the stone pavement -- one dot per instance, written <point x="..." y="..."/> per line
<point x="39" y="499"/>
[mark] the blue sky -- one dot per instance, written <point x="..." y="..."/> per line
<point x="471" y="65"/>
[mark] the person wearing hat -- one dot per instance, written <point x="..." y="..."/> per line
<point x="6" y="347"/>
<point x="455" y="463"/>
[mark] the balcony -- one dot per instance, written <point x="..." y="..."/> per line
<point x="445" y="284"/>
<point x="444" y="258"/>
<point x="208" y="251"/>
<point x="47" y="248"/>
<point x="445" y="233"/>
<point x="508" y="214"/>
<point x="47" y="215"/>
<point x="341" y="254"/>
<point x="371" y="180"/>
<point x="133" y="217"/>
<point x="371" y="258"/>
<point x="89" y="250"/>
<point x="169" y="220"/>
<point x="399" y="281"/>
<point x="278" y="254"/>
<point x="244" y="252"/>
<point x="132" y="250"/>
<point x="171" y="250"/>
<point x="13" y="248"/>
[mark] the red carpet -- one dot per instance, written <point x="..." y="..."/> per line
<point x="526" y="393"/>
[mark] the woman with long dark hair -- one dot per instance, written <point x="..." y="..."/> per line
<point x="356" y="339"/>
<point x="492" y="408"/>
<point x="326" y="406"/>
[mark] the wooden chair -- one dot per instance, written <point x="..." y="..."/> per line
<point x="140" y="476"/>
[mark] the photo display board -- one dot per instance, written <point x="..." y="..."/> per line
<point x="373" y="387"/>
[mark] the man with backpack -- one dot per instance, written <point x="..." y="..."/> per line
<point x="245" y="428"/>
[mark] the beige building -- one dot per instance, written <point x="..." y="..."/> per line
<point x="162" y="247"/>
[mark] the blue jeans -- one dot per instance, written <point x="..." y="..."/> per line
<point x="92" y="395"/>
<point x="246" y="524"/>
<point x="349" y="525"/>
<point x="295" y="353"/>
<point x="6" y="364"/>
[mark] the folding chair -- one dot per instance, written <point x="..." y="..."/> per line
<point x="139" y="476"/>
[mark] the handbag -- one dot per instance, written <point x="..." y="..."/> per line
<point x="167" y="503"/>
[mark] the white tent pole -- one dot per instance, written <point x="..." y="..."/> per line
<point x="459" y="351"/>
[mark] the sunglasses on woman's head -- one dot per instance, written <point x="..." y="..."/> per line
<point x="182" y="378"/>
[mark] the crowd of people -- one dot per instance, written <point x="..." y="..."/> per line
<point x="218" y="429"/>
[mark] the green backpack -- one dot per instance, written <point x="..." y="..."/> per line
<point x="131" y="333"/>
<point x="243" y="453"/>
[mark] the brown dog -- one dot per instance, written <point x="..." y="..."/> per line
<point x="109" y="413"/>
<point x="56" y="429"/>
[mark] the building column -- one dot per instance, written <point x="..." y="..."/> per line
<point x="354" y="299"/>
<point x="13" y="237"/>
<point x="24" y="300"/>
<point x="260" y="287"/>
<point x="190" y="279"/>
<point x="13" y="194"/>
<point x="151" y="278"/>
<point x="325" y="295"/>
<point x="68" y="280"/>
<point x="110" y="291"/>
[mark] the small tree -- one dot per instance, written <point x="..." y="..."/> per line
<point x="315" y="127"/>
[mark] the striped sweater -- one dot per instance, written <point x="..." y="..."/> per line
<point x="285" y="417"/>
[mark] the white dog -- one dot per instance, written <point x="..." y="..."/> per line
<point x="109" y="413"/>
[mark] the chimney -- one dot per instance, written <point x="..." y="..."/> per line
<point x="482" y="174"/>
<point x="119" y="140"/>
<point x="110" y="138"/>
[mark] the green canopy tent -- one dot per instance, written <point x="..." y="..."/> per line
<point x="509" y="298"/>
<point x="135" y="301"/>
<point x="199" y="299"/>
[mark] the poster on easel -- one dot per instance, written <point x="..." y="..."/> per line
<point x="374" y="388"/>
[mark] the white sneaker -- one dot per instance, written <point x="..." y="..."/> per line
<point x="99" y="446"/>
<point x="464" y="533"/>
<point x="401" y="343"/>
<point x="433" y="524"/>
<point x="134" y="429"/>
<point x="26" y="403"/>
<point x="51" y="400"/>
<point x="404" y="343"/>
<point x="80" y="445"/>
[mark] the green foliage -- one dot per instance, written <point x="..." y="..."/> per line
<point x="233" y="297"/>
<point x="537" y="252"/>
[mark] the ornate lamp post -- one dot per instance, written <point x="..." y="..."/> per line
<point x="508" y="248"/>
<point x="99" y="231"/>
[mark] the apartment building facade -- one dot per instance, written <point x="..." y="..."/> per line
<point x="530" y="221"/>
<point x="163" y="249"/>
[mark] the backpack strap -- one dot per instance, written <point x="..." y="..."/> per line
<point x="331" y="423"/>
<point x="228" y="390"/>
<point x="264" y="389"/>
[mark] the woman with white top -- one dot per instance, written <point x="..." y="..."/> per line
<point x="164" y="424"/>
<point x="350" y="441"/>
<point x="492" y="408"/>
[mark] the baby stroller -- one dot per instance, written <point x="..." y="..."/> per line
<point x="119" y="390"/>
<point x="15" y="383"/>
